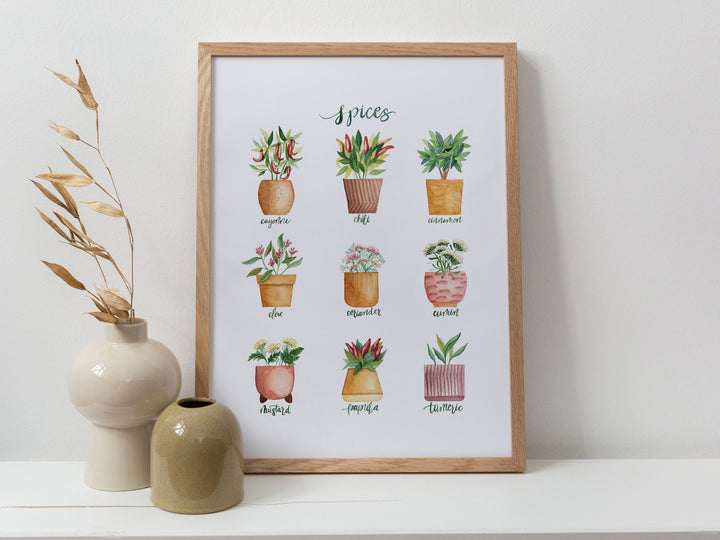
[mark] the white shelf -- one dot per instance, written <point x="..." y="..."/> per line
<point x="657" y="498"/>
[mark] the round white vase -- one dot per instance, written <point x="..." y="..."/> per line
<point x="121" y="384"/>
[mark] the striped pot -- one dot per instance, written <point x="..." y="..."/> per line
<point x="445" y="382"/>
<point x="362" y="194"/>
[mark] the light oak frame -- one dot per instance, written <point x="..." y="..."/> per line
<point x="508" y="52"/>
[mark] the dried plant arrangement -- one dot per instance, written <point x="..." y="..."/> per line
<point x="112" y="305"/>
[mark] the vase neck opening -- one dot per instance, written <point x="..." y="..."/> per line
<point x="125" y="332"/>
<point x="195" y="402"/>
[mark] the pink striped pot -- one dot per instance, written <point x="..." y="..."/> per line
<point x="444" y="382"/>
<point x="362" y="194"/>
<point x="445" y="290"/>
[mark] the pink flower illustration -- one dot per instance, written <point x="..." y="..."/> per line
<point x="276" y="257"/>
<point x="359" y="258"/>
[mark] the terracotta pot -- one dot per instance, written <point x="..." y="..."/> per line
<point x="361" y="289"/>
<point x="276" y="291"/>
<point x="276" y="197"/>
<point x="362" y="194"/>
<point x="362" y="386"/>
<point x="444" y="197"/>
<point x="445" y="290"/>
<point x="121" y="384"/>
<point x="196" y="460"/>
<point x="444" y="382"/>
<point x="275" y="382"/>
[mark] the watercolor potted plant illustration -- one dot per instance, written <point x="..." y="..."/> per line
<point x="275" y="379"/>
<point x="273" y="260"/>
<point x="444" y="153"/>
<point x="445" y="381"/>
<point x="277" y="155"/>
<point x="446" y="285"/>
<point x="360" y="159"/>
<point x="361" y="265"/>
<point x="361" y="379"/>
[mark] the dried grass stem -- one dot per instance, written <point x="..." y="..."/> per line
<point x="112" y="306"/>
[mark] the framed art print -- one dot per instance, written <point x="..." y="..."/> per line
<point x="359" y="279"/>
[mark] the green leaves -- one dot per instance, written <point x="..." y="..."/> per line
<point x="353" y="364"/>
<point x="285" y="353"/>
<point x="445" y="153"/>
<point x="361" y="156"/>
<point x="445" y="256"/>
<point x="289" y="356"/>
<point x="275" y="258"/>
<point x="430" y="354"/>
<point x="256" y="356"/>
<point x="451" y="343"/>
<point x="264" y="277"/>
<point x="446" y="353"/>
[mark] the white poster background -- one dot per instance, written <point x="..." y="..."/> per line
<point x="442" y="94"/>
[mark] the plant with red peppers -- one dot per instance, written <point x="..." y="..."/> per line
<point x="277" y="154"/>
<point x="361" y="156"/>
<point x="445" y="153"/>
<point x="368" y="355"/>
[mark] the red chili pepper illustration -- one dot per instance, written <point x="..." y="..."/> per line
<point x="366" y="348"/>
<point x="384" y="149"/>
<point x="272" y="168"/>
<point x="348" y="144"/>
<point x="287" y="173"/>
<point x="367" y="144"/>
<point x="262" y="156"/>
<point x="277" y="152"/>
<point x="291" y="149"/>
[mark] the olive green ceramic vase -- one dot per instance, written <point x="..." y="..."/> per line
<point x="196" y="461"/>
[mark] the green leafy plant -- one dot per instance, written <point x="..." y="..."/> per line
<point x="277" y="354"/>
<point x="361" y="156"/>
<point x="277" y="154"/>
<point x="446" y="352"/>
<point x="368" y="355"/>
<point x="445" y="153"/>
<point x="445" y="256"/>
<point x="275" y="259"/>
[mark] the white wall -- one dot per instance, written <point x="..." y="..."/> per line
<point x="620" y="174"/>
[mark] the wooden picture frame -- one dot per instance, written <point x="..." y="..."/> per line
<point x="388" y="58"/>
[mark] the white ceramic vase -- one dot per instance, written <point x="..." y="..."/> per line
<point x="121" y="384"/>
